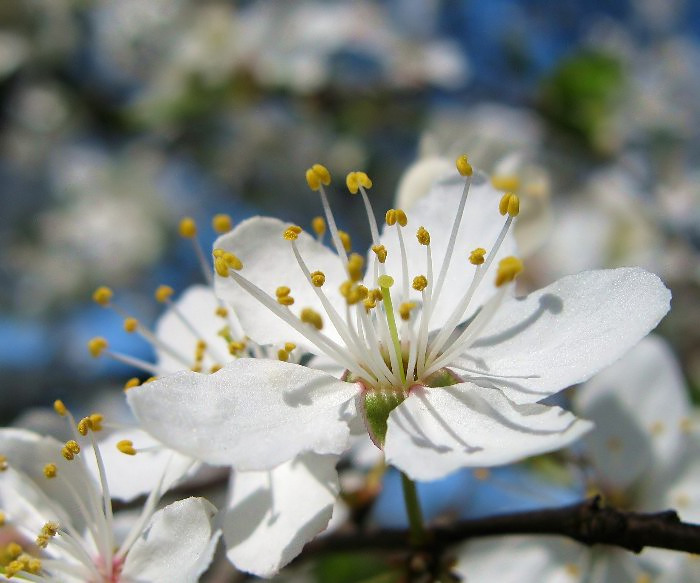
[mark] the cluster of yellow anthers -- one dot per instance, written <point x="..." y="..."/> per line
<point x="368" y="335"/>
<point x="19" y="561"/>
<point x="235" y="342"/>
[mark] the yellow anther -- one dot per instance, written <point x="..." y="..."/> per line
<point x="476" y="257"/>
<point x="232" y="261"/>
<point x="13" y="568"/>
<point x="96" y="420"/>
<point x="345" y="288"/>
<point x="463" y="166"/>
<point x="317" y="175"/>
<point x="50" y="528"/>
<point x="375" y="294"/>
<point x="381" y="252"/>
<point x="318" y="278"/>
<point x="222" y="223"/>
<point x="126" y="446"/>
<point x="201" y="344"/>
<point x="97" y="346"/>
<point x="32" y="565"/>
<point x="196" y="368"/>
<point x="282" y="291"/>
<point x="352" y="182"/>
<point x="131" y="324"/>
<point x="401" y="217"/>
<point x="291" y="233"/>
<point x="221" y="267"/>
<point x="505" y="182"/>
<point x="289" y="346"/>
<point x="355" y="265"/>
<point x="508" y="270"/>
<point x="102" y="295"/>
<point x="2" y="518"/>
<point x="322" y="172"/>
<point x="50" y="470"/>
<point x="283" y="355"/>
<point x="318" y="224"/>
<point x="356" y="179"/>
<point x="215" y="368"/>
<point x="84" y="425"/>
<point x="370" y="303"/>
<point x="510" y="203"/>
<point x="14" y="550"/>
<point x="311" y="316"/>
<point x="60" y="407"/>
<point x="385" y="281"/>
<point x="390" y="217"/>
<point x="221" y="312"/>
<point x="423" y="236"/>
<point x="420" y="282"/>
<point x="188" y="228"/>
<point x="131" y="383"/>
<point x="163" y="293"/>
<point x="345" y="240"/>
<point x="482" y="474"/>
<point x="235" y="347"/>
<point x="285" y="300"/>
<point x="150" y="380"/>
<point x="405" y="310"/>
<point x="3" y="463"/>
<point x="572" y="569"/>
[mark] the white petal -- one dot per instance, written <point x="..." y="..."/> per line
<point x="253" y="414"/>
<point x="132" y="476"/>
<point x="638" y="405"/>
<point x="268" y="262"/>
<point x="197" y="304"/>
<point x="437" y="431"/>
<point x="273" y="514"/>
<point x="567" y="331"/>
<point x="178" y="544"/>
<point x="28" y="453"/>
<point x="479" y="228"/>
<point x="418" y="179"/>
<point x="522" y="559"/>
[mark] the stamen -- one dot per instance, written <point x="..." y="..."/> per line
<point x="505" y="182"/>
<point x="283" y="296"/>
<point x="319" y="227"/>
<point x="324" y="344"/>
<point x="316" y="177"/>
<point x="222" y="223"/>
<point x="381" y="252"/>
<point x="102" y="295"/>
<point x="510" y="203"/>
<point x="508" y="269"/>
<point x="131" y="383"/>
<point x="126" y="446"/>
<point x="394" y="216"/>
<point x="188" y="230"/>
<point x="466" y="170"/>
<point x="360" y="181"/>
<point x="99" y="346"/>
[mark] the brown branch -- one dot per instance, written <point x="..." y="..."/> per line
<point x="588" y="522"/>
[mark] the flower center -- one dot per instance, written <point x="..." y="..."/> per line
<point x="383" y="333"/>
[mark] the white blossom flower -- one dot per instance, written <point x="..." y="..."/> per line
<point x="277" y="510"/>
<point x="643" y="456"/>
<point x="65" y="524"/>
<point x="455" y="383"/>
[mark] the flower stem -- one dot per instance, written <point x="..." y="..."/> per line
<point x="415" y="516"/>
